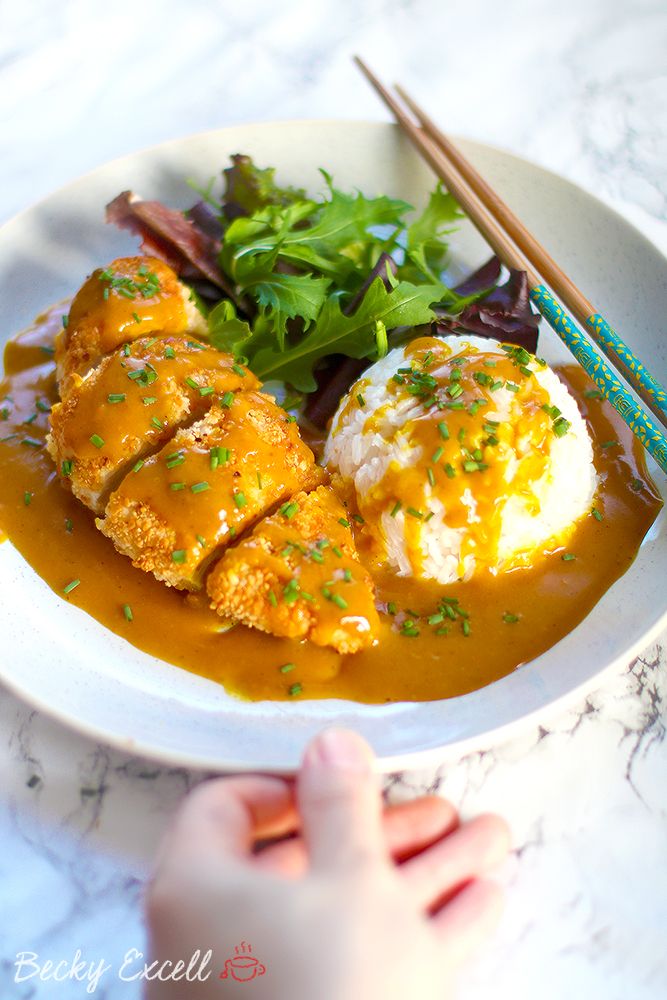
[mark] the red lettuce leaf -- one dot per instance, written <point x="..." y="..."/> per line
<point x="505" y="314"/>
<point x="168" y="234"/>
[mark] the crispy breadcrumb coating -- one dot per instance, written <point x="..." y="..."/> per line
<point x="213" y="480"/>
<point x="298" y="575"/>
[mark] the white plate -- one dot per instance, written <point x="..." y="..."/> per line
<point x="62" y="661"/>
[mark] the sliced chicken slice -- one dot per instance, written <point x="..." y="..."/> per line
<point x="177" y="510"/>
<point x="298" y="575"/>
<point x="131" y="298"/>
<point x="131" y="404"/>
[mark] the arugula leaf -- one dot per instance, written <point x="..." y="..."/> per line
<point x="425" y="245"/>
<point x="336" y="333"/>
<point x="287" y="296"/>
<point x="226" y="332"/>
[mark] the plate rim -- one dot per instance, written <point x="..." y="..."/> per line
<point x="386" y="763"/>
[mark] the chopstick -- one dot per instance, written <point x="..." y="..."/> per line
<point x="512" y="256"/>
<point x="622" y="358"/>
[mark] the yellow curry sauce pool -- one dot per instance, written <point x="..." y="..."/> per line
<point x="509" y="619"/>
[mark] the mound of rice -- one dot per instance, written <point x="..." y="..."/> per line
<point x="460" y="454"/>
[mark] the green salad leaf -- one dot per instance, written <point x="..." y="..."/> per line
<point x="311" y="274"/>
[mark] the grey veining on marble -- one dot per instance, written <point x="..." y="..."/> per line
<point x="577" y="85"/>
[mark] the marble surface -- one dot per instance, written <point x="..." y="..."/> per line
<point x="584" y="92"/>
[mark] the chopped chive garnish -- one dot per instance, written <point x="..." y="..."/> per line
<point x="567" y="557"/>
<point x="66" y="467"/>
<point x="191" y="382"/>
<point x="450" y="470"/>
<point x="431" y="476"/>
<point x="358" y="518"/>
<point x="597" y="514"/>
<point x="65" y="320"/>
<point x="137" y="319"/>
<point x="201" y="540"/>
<point x="489" y="364"/>
<point x="178" y="556"/>
<point x="31" y="419"/>
<point x="395" y="509"/>
<point x="137" y="465"/>
<point x="96" y="440"/>
<point x="33" y="442"/>
<point x="347" y="575"/>
<point x="156" y="422"/>
<point x="47" y="350"/>
<point x="391" y="608"/>
<point x="336" y="551"/>
<point x="69" y="525"/>
<point x="525" y="371"/>
<point x="437" y="454"/>
<point x="240" y="500"/>
<point x="294" y="690"/>
<point x="199" y="487"/>
<point x="259" y="479"/>
<point x="227" y="400"/>
<point x="415" y="513"/>
<point x="272" y="599"/>
<point x="316" y="556"/>
<point x="72" y="585"/>
<point x="409" y="628"/>
<point x="176" y="486"/>
<point x="511" y="386"/>
<point x="286" y="667"/>
<point x="27" y="497"/>
<point x="496" y="385"/>
<point x="206" y="390"/>
<point x="289" y="509"/>
<point x="636" y="485"/>
<point x="339" y="601"/>
<point x="116" y="397"/>
<point x="593" y="394"/>
<point x="605" y="444"/>
<point x="454" y="390"/>
<point x="174" y="460"/>
<point x="169" y="352"/>
<point x="509" y="618"/>
<point x="344" y="522"/>
<point x="561" y="426"/>
<point x="465" y="627"/>
<point x="127" y="611"/>
<point x="138" y="374"/>
<point x="436" y="619"/>
<point x="360" y="400"/>
<point x="239" y="370"/>
<point x="428" y="517"/>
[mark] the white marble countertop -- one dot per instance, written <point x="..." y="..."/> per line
<point x="584" y="85"/>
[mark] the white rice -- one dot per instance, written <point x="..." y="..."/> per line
<point x="362" y="455"/>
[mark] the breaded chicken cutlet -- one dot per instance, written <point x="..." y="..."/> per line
<point x="298" y="575"/>
<point x="131" y="298"/>
<point x="131" y="404"/>
<point x="175" y="512"/>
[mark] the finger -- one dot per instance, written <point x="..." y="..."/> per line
<point x="410" y="827"/>
<point x="468" y="919"/>
<point x="407" y="828"/>
<point x="473" y="849"/>
<point x="339" y="801"/>
<point x="224" y="816"/>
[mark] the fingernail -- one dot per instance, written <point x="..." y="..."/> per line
<point x="340" y="748"/>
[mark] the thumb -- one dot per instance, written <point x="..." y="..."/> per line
<point x="338" y="796"/>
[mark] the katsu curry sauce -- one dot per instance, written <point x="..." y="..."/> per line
<point x="434" y="641"/>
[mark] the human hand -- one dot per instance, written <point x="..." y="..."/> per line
<point x="363" y="903"/>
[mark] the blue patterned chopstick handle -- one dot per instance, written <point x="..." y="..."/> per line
<point x="604" y="377"/>
<point x="610" y="342"/>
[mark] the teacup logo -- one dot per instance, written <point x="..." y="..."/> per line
<point x="243" y="966"/>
